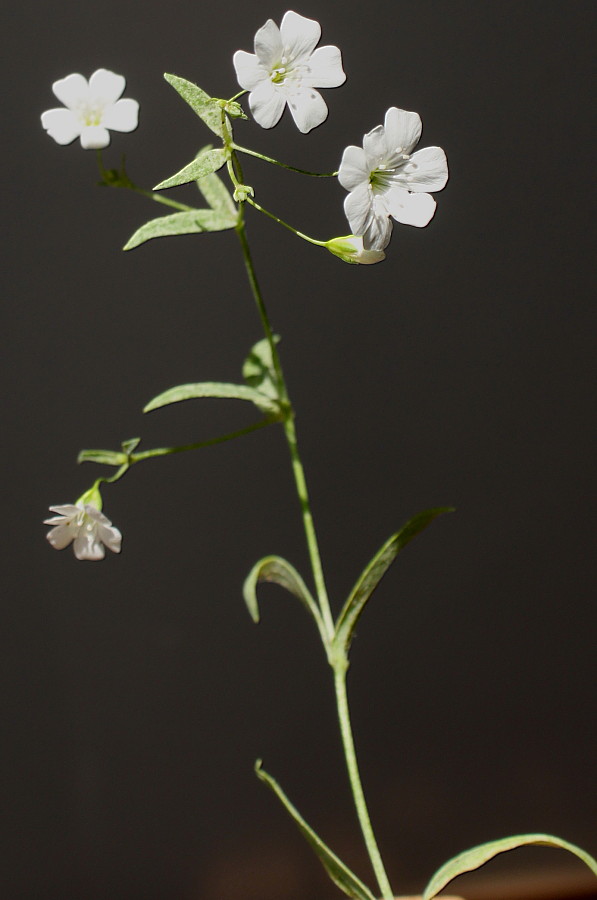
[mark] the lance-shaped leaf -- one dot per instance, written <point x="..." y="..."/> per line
<point x="376" y="569"/>
<point x="200" y="102"/>
<point x="277" y="570"/>
<point x="477" y="856"/>
<point x="340" y="874"/>
<point x="195" y="221"/>
<point x="258" y="368"/>
<point x="105" y="457"/>
<point x="213" y="389"/>
<point x="216" y="193"/>
<point x="205" y="164"/>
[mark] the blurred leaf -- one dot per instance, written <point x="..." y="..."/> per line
<point x="105" y="457"/>
<point x="478" y="856"/>
<point x="129" y="446"/>
<point x="277" y="570"/>
<point x="213" y="389"/>
<point x="200" y="102"/>
<point x="376" y="569"/>
<point x="216" y="193"/>
<point x="195" y="221"/>
<point x="204" y="164"/>
<point x="258" y="368"/>
<point x="338" y="872"/>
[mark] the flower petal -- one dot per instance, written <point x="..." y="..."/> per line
<point x="300" y="36"/>
<point x="325" y="68"/>
<point x="267" y="104"/>
<point x="410" y="209"/>
<point x="88" y="546"/>
<point x="308" y="109"/>
<point x="378" y="228"/>
<point x="353" y="169"/>
<point x="61" y="124"/>
<point x="375" y="147"/>
<point x="403" y="129"/>
<point x="61" y="536"/>
<point x="268" y="45"/>
<point x="249" y="71"/>
<point x="357" y="206"/>
<point x="94" y="137"/>
<point x="122" y="116"/>
<point x="111" y="537"/>
<point x="426" y="170"/>
<point x="71" y="90"/>
<point x="106" y="86"/>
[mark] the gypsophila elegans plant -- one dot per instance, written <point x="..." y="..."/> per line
<point x="388" y="180"/>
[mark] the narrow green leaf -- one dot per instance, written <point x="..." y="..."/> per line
<point x="478" y="856"/>
<point x="104" y="457"/>
<point x="130" y="445"/>
<point x="200" y="102"/>
<point x="340" y="874"/>
<point x="195" y="221"/>
<point x="277" y="570"/>
<point x="376" y="569"/>
<point x="213" y="389"/>
<point x="258" y="368"/>
<point x="202" y="165"/>
<point x="216" y="193"/>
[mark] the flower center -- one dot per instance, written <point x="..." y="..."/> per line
<point x="383" y="176"/>
<point x="90" y="114"/>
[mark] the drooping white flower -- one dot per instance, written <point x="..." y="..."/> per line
<point x="350" y="249"/>
<point x="285" y="69"/>
<point x="83" y="525"/>
<point x="385" y="178"/>
<point x="90" y="109"/>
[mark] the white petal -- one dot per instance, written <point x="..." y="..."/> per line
<point x="357" y="206"/>
<point x="123" y="116"/>
<point x="403" y="129"/>
<point x="111" y="537"/>
<point x="325" y="68"/>
<point x="67" y="509"/>
<point x="61" y="124"/>
<point x="353" y="169"/>
<point x="249" y="71"/>
<point x="410" y="209"/>
<point x="426" y="170"/>
<point x="268" y="45"/>
<point x="88" y="546"/>
<point x="300" y="36"/>
<point x="375" y="147"/>
<point x="71" y="90"/>
<point x="94" y="137"/>
<point x="378" y="229"/>
<point x="308" y="109"/>
<point x="106" y="86"/>
<point x="61" y="536"/>
<point x="267" y="104"/>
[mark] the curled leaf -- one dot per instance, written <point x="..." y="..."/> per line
<point x="277" y="570"/>
<point x="258" y="368"/>
<point x="105" y="457"/>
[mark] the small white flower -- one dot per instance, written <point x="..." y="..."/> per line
<point x="385" y="178"/>
<point x="91" y="109"/>
<point x="350" y="249"/>
<point x="285" y="69"/>
<point x="84" y="524"/>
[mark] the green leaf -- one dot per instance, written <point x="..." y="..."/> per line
<point x="213" y="389"/>
<point x="277" y="570"/>
<point x="204" y="164"/>
<point x="336" y="869"/>
<point x="200" y="102"/>
<point x="216" y="193"/>
<point x="258" y="368"/>
<point x="129" y="446"/>
<point x="195" y="221"/>
<point x="104" y="457"/>
<point x="376" y="569"/>
<point x="478" y="856"/>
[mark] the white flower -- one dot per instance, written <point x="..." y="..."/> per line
<point x="91" y="109"/>
<point x="84" y="524"/>
<point x="385" y="178"/>
<point x="350" y="249"/>
<point x="286" y="68"/>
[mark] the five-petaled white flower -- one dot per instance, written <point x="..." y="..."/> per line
<point x="91" y="109"/>
<point x="83" y="524"/>
<point x="385" y="178"/>
<point x="285" y="69"/>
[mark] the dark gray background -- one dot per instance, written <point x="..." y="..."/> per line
<point x="136" y="693"/>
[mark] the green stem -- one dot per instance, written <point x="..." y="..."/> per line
<point x="166" y="451"/>
<point x="298" y="233"/>
<point x="276" y="162"/>
<point x="122" y="180"/>
<point x="340" y="668"/>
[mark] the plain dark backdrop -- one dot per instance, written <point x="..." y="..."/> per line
<point x="136" y="693"/>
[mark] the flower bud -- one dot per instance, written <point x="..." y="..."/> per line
<point x="350" y="249"/>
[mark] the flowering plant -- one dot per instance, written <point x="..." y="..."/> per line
<point x="386" y="179"/>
